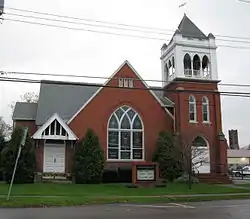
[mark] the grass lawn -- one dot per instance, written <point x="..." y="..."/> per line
<point x="84" y="200"/>
<point x="71" y="194"/>
<point x="53" y="189"/>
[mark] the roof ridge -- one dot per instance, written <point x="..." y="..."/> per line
<point x="68" y="82"/>
<point x="23" y="102"/>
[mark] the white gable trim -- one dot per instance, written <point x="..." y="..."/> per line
<point x="111" y="77"/>
<point x="70" y="134"/>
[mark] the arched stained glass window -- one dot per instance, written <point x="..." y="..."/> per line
<point x="125" y="135"/>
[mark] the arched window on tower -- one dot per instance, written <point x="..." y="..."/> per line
<point x="170" y="68"/>
<point x="167" y="71"/>
<point x="187" y="65"/>
<point x="205" y="66"/>
<point x="205" y="109"/>
<point x="192" y="109"/>
<point x="196" y="66"/>
<point x="173" y="64"/>
<point x="125" y="135"/>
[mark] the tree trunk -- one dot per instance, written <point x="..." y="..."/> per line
<point x="190" y="175"/>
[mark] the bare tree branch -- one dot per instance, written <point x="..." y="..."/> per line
<point x="28" y="97"/>
<point x="193" y="156"/>
<point x="4" y="128"/>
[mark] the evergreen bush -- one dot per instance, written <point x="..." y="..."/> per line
<point x="26" y="167"/>
<point x="168" y="157"/>
<point x="88" y="160"/>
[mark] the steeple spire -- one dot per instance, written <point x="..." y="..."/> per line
<point x="188" y="29"/>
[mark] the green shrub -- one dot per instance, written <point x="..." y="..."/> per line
<point x="88" y="160"/>
<point x="25" y="171"/>
<point x="167" y="156"/>
<point x="2" y="145"/>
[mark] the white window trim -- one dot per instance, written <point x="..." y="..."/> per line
<point x="207" y="106"/>
<point x="125" y="82"/>
<point x="195" y="110"/>
<point x="131" y="82"/>
<point x="120" y="82"/>
<point x="131" y="130"/>
<point x="38" y="134"/>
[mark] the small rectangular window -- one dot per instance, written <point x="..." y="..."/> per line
<point x="131" y="82"/>
<point x="125" y="82"/>
<point x="120" y="82"/>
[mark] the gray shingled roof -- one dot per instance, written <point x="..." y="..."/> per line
<point x="188" y="29"/>
<point x="65" y="99"/>
<point x="25" y="111"/>
<point x="164" y="100"/>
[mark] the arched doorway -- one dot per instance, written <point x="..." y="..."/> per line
<point x="200" y="155"/>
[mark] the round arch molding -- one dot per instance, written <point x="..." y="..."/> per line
<point x="201" y="155"/>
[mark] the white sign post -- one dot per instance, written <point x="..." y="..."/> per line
<point x="22" y="143"/>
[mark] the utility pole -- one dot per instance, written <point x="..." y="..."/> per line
<point x="244" y="1"/>
<point x="1" y="7"/>
<point x="22" y="143"/>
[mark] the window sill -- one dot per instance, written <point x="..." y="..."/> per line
<point x="193" y="121"/>
<point x="206" y="122"/>
<point x="123" y="160"/>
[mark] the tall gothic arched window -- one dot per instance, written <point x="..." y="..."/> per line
<point x="205" y="109"/>
<point x="192" y="108"/>
<point x="125" y="135"/>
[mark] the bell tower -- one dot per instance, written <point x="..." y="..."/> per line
<point x="190" y="80"/>
<point x="190" y="54"/>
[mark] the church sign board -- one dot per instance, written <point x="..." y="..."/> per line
<point x="145" y="173"/>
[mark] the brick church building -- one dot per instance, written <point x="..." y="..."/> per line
<point x="127" y="114"/>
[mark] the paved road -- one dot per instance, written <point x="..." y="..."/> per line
<point x="206" y="210"/>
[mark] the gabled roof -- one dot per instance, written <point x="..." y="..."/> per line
<point x="24" y="111"/>
<point x="188" y="29"/>
<point x="55" y="116"/>
<point x="110" y="78"/>
<point x="66" y="98"/>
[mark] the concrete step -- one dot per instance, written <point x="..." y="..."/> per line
<point x="215" y="178"/>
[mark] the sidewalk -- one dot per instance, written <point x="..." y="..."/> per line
<point x="130" y="196"/>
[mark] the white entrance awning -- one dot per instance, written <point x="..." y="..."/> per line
<point x="56" y="129"/>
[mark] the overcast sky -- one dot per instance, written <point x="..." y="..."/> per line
<point x="33" y="48"/>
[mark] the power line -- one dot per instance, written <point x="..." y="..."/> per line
<point x="86" y="24"/>
<point x="116" y="28"/>
<point x="87" y="30"/>
<point x="114" y="23"/>
<point x="86" y="19"/>
<point x="223" y="93"/>
<point x="106" y="32"/>
<point x="107" y="78"/>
